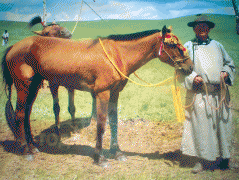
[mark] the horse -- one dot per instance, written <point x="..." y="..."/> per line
<point x="55" y="30"/>
<point x="85" y="66"/>
<point x="51" y="30"/>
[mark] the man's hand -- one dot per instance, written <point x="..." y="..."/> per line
<point x="197" y="83"/>
<point x="224" y="75"/>
<point x="198" y="80"/>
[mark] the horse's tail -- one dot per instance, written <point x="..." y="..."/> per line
<point x="7" y="79"/>
<point x="35" y="21"/>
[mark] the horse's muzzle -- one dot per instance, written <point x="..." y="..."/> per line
<point x="186" y="71"/>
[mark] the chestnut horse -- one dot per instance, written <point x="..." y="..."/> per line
<point x="85" y="66"/>
<point x="52" y="30"/>
<point x="55" y="30"/>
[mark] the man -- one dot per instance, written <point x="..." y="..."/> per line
<point x="5" y="37"/>
<point x="207" y="131"/>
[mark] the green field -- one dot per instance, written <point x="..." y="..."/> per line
<point x="135" y="102"/>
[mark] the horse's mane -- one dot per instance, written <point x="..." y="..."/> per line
<point x="133" y="36"/>
<point x="126" y="37"/>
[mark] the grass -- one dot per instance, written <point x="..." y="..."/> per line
<point x="155" y="104"/>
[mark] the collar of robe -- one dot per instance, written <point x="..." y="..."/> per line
<point x="197" y="41"/>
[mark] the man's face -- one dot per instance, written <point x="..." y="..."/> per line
<point x="201" y="30"/>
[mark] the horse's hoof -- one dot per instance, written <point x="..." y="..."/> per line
<point x="119" y="156"/>
<point x="29" y="157"/>
<point x="101" y="161"/>
<point x="35" y="150"/>
<point x="104" y="164"/>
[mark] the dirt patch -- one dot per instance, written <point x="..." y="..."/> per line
<point x="152" y="149"/>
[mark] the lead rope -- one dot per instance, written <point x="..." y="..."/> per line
<point x="177" y="101"/>
<point x="229" y="105"/>
<point x="223" y="87"/>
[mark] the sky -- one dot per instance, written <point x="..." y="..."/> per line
<point x="70" y="10"/>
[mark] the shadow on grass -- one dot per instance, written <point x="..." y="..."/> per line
<point x="50" y="143"/>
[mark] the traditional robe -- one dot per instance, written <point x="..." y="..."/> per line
<point x="208" y="132"/>
<point x="5" y="37"/>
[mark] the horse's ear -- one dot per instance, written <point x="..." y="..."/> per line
<point x="170" y="28"/>
<point x="37" y="32"/>
<point x="164" y="31"/>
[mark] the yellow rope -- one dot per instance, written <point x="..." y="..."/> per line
<point x="77" y="18"/>
<point x="169" y="80"/>
<point x="179" y="110"/>
<point x="175" y="90"/>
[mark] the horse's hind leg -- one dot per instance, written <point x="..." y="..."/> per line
<point x="33" y="90"/>
<point x="24" y="73"/>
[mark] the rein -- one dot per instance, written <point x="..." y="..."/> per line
<point x="176" y="91"/>
<point x="169" y="80"/>
<point x="223" y="87"/>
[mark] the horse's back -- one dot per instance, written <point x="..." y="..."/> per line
<point x="20" y="49"/>
<point x="74" y="64"/>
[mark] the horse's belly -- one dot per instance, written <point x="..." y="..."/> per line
<point x="70" y="81"/>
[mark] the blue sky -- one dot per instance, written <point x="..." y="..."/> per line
<point x="68" y="10"/>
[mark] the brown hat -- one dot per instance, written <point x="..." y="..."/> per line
<point x="201" y="19"/>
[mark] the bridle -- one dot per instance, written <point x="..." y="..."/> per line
<point x="175" y="61"/>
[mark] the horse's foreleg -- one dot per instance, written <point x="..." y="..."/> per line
<point x="102" y="102"/>
<point x="56" y="106"/>
<point x="71" y="105"/>
<point x="113" y="121"/>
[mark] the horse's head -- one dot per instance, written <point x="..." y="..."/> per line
<point x="171" y="51"/>
<point x="52" y="30"/>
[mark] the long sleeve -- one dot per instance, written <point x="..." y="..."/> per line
<point x="188" y="81"/>
<point x="228" y="64"/>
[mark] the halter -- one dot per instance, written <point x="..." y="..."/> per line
<point x="175" y="61"/>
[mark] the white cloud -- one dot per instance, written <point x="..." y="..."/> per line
<point x="19" y="17"/>
<point x="109" y="9"/>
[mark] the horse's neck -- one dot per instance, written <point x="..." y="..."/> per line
<point x="140" y="52"/>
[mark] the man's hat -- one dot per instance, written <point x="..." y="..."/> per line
<point x="201" y="19"/>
